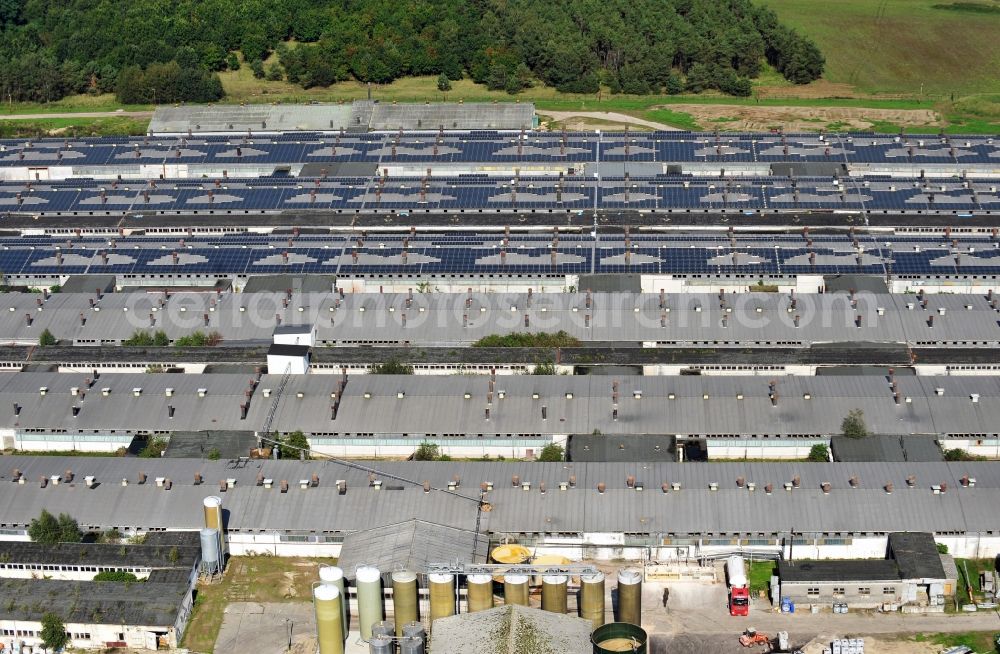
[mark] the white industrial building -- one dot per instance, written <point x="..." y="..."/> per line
<point x="150" y="614"/>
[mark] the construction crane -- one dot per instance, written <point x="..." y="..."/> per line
<point x="273" y="409"/>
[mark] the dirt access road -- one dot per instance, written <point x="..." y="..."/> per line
<point x="578" y="120"/>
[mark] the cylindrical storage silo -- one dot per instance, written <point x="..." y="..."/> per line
<point x="442" y="591"/>
<point x="210" y="551"/>
<point x="554" y="593"/>
<point x="380" y="645"/>
<point x="384" y="628"/>
<point x="369" y="583"/>
<point x="213" y="520"/>
<point x="630" y="596"/>
<point x="619" y="637"/>
<point x="411" y="645"/>
<point x="515" y="589"/>
<point x="414" y="629"/>
<point x="331" y="574"/>
<point x="592" y="601"/>
<point x="480" y="592"/>
<point x="404" y="598"/>
<point x="330" y="630"/>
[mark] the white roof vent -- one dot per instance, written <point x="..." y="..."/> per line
<point x="974" y="397"/>
<point x="137" y="391"/>
<point x="170" y="392"/>
<point x="202" y="392"/>
<point x="939" y="391"/>
<point x="42" y="390"/>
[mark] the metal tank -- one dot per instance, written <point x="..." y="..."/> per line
<point x="592" y="603"/>
<point x="404" y="598"/>
<point x="331" y="574"/>
<point x="619" y="637"/>
<point x="384" y="628"/>
<point x="554" y="593"/>
<point x="210" y="563"/>
<point x="630" y="596"/>
<point x="480" y="592"/>
<point x="369" y="582"/>
<point x="212" y="506"/>
<point x="442" y="587"/>
<point x="414" y="630"/>
<point x="330" y="631"/>
<point x="515" y="589"/>
<point x="381" y="645"/>
<point x="411" y="645"/>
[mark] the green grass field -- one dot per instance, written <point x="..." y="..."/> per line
<point x="111" y="126"/>
<point x="899" y="46"/>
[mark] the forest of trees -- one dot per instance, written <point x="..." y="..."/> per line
<point x="169" y="50"/>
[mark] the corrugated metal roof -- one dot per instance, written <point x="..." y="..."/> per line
<point x="693" y="509"/>
<point x="755" y="319"/>
<point x="411" y="545"/>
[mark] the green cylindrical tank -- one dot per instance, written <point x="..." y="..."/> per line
<point x="331" y="574"/>
<point x="619" y="637"/>
<point x="369" y="582"/>
<point x="442" y="592"/>
<point x="480" y="592"/>
<point x="554" y="593"/>
<point x="329" y="619"/>
<point x="515" y="589"/>
<point x="592" y="598"/>
<point x="404" y="598"/>
<point x="630" y="596"/>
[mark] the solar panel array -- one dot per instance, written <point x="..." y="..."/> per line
<point x="528" y="147"/>
<point x="469" y="254"/>
<point x="479" y="192"/>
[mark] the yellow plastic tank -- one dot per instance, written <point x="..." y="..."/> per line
<point x="511" y="553"/>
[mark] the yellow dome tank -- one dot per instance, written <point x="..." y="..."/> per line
<point x="510" y="553"/>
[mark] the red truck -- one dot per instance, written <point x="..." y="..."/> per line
<point x="739" y="592"/>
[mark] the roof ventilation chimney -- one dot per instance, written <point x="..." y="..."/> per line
<point x="853" y="481"/>
<point x="826" y="487"/>
<point x="515" y="480"/>
<point x="601" y="487"/>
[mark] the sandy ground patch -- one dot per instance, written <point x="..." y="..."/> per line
<point x="753" y="117"/>
<point x="821" y="88"/>
<point x="587" y="120"/>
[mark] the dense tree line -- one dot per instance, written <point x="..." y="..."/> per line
<point x="172" y="47"/>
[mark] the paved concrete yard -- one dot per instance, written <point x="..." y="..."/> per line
<point x="260" y="628"/>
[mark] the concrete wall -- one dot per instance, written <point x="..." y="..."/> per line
<point x="852" y="594"/>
